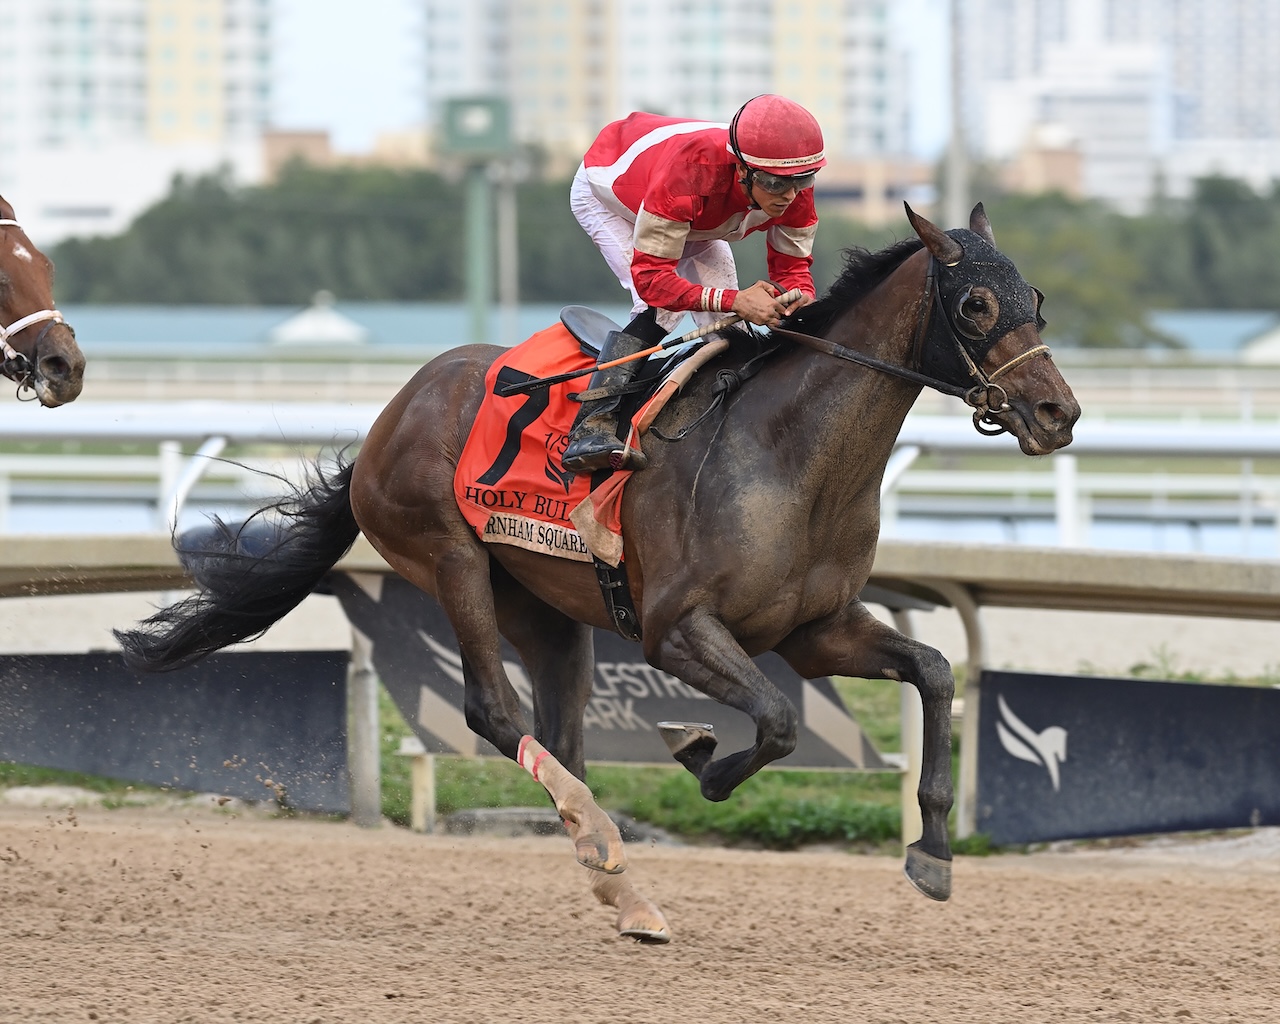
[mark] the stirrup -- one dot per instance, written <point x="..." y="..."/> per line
<point x="611" y="454"/>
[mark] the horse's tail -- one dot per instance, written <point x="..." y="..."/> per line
<point x="251" y="575"/>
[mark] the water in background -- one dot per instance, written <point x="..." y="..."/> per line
<point x="425" y="328"/>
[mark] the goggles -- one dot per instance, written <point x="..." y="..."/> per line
<point x="777" y="184"/>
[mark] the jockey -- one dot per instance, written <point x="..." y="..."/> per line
<point x="662" y="197"/>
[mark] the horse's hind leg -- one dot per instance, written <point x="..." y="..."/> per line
<point x="638" y="916"/>
<point x="856" y="643"/>
<point x="493" y="709"/>
<point x="699" y="650"/>
<point x="557" y="654"/>
<point x="459" y="579"/>
<point x="596" y="840"/>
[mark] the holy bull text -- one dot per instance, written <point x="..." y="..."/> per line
<point x="534" y="504"/>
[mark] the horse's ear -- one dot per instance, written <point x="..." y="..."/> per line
<point x="980" y="225"/>
<point x="946" y="250"/>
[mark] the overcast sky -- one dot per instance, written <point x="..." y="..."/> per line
<point x="349" y="67"/>
<point x="352" y="68"/>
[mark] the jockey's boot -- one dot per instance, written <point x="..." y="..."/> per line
<point x="593" y="440"/>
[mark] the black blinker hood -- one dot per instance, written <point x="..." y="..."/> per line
<point x="983" y="264"/>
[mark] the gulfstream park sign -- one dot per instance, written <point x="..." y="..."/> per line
<point x="416" y="657"/>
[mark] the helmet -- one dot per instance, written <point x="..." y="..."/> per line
<point x="775" y="134"/>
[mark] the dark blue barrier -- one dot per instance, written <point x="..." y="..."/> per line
<point x="416" y="657"/>
<point x="1066" y="757"/>
<point x="229" y="725"/>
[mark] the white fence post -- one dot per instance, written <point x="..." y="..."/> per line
<point x="170" y="459"/>
<point x="362" y="734"/>
<point x="188" y="478"/>
<point x="1066" y="500"/>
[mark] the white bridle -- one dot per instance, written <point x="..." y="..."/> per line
<point x="23" y="323"/>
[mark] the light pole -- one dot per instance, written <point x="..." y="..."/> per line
<point x="476" y="132"/>
<point x="508" y="174"/>
<point x="956" y="207"/>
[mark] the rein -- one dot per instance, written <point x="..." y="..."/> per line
<point x="16" y="366"/>
<point x="977" y="397"/>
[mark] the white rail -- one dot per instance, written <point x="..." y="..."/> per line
<point x="207" y="427"/>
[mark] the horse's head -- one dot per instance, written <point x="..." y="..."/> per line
<point x="982" y="332"/>
<point x="38" y="347"/>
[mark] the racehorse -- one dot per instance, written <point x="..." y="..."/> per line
<point x="38" y="346"/>
<point x="755" y="532"/>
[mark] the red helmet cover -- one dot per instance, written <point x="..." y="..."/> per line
<point x="772" y="133"/>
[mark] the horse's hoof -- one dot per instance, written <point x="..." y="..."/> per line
<point x="594" y="851"/>
<point x="929" y="874"/>
<point x="644" y="923"/>
<point x="647" y="936"/>
<point x="690" y="743"/>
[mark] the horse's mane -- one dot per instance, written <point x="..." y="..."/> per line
<point x="863" y="270"/>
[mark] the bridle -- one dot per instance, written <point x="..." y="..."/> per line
<point x="16" y="366"/>
<point x="977" y="396"/>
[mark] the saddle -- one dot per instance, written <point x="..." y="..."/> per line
<point x="589" y="326"/>
<point x="509" y="483"/>
<point x="656" y="381"/>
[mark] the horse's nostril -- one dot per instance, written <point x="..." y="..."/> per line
<point x="1052" y="416"/>
<point x="54" y="368"/>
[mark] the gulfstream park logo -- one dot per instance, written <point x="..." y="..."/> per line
<point x="449" y="662"/>
<point x="1047" y="748"/>
<point x="612" y="705"/>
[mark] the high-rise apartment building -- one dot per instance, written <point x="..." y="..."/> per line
<point x="102" y="101"/>
<point x="568" y="67"/>
<point x="1151" y="93"/>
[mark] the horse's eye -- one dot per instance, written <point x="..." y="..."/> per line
<point x="974" y="306"/>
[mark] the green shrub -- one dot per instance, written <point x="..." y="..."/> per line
<point x="761" y="812"/>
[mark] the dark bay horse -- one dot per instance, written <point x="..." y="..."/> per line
<point x="756" y="532"/>
<point x="37" y="346"/>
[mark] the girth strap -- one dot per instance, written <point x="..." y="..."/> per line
<point x="617" y="598"/>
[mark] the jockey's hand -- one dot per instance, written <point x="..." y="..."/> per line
<point x="804" y="300"/>
<point x="759" y="305"/>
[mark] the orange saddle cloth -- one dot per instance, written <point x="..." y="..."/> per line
<point x="509" y="482"/>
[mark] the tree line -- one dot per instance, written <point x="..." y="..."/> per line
<point x="379" y="234"/>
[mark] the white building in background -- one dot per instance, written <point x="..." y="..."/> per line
<point x="1151" y="94"/>
<point x="569" y="67"/>
<point x="102" y="102"/>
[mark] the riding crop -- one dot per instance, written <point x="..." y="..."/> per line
<point x="524" y="387"/>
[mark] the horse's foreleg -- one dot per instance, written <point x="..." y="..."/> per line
<point x="856" y="643"/>
<point x="700" y="651"/>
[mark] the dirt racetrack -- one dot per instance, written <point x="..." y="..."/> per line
<point x="191" y="915"/>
